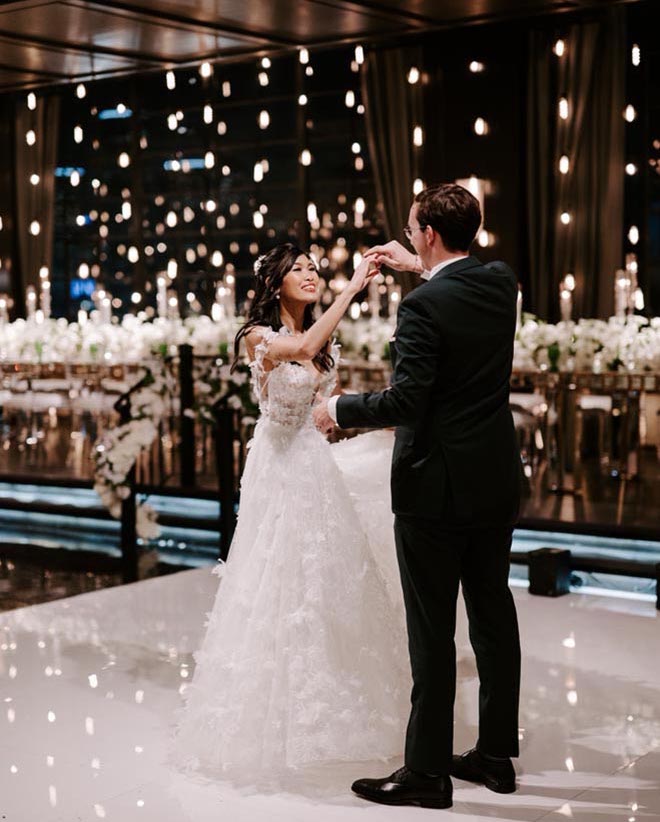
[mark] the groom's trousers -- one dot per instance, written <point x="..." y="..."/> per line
<point x="432" y="562"/>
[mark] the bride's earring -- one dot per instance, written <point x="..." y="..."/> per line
<point x="277" y="296"/>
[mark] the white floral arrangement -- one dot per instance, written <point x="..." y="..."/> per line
<point x="118" y="450"/>
<point x="130" y="341"/>
<point x="368" y="338"/>
<point x="617" y="344"/>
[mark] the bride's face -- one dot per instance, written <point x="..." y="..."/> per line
<point x="301" y="284"/>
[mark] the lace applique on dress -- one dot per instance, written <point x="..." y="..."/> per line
<point x="286" y="392"/>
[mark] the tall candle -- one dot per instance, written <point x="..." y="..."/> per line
<point x="4" y="313"/>
<point x="82" y="317"/>
<point x="621" y="293"/>
<point x="374" y="298"/>
<point x="106" y="310"/>
<point x="566" y="305"/>
<point x="30" y="301"/>
<point x="173" y="307"/>
<point x="44" y="298"/>
<point x="394" y="298"/>
<point x="161" y="297"/>
<point x="230" y="296"/>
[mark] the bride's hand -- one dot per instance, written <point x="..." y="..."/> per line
<point x="363" y="275"/>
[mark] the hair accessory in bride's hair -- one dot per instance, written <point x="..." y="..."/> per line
<point x="257" y="265"/>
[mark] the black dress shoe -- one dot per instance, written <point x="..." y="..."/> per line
<point x="496" y="775"/>
<point x="406" y="787"/>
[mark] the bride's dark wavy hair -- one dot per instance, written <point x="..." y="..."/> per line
<point x="265" y="309"/>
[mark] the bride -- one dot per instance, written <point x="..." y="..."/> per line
<point x="304" y="659"/>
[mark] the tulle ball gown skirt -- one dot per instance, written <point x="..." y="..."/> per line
<point x="304" y="659"/>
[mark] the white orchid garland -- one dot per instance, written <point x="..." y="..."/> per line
<point x="121" y="446"/>
<point x="118" y="450"/>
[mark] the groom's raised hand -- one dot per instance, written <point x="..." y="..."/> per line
<point x="395" y="256"/>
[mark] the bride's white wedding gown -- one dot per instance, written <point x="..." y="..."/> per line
<point x="305" y="657"/>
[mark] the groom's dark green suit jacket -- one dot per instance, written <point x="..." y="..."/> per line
<point x="456" y="456"/>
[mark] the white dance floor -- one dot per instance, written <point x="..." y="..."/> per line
<point x="88" y="687"/>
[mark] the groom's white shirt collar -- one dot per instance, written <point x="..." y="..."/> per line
<point x="429" y="275"/>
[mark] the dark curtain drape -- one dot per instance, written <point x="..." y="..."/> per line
<point x="393" y="107"/>
<point x="591" y="75"/>
<point x="35" y="202"/>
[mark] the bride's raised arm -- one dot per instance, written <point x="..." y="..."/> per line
<point x="305" y="346"/>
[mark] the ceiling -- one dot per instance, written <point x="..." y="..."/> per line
<point x="61" y="41"/>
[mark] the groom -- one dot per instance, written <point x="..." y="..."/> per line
<point x="455" y="493"/>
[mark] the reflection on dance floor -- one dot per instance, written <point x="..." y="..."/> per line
<point x="89" y="685"/>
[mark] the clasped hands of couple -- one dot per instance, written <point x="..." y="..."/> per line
<point x="392" y="255"/>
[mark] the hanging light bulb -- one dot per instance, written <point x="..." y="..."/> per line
<point x="171" y="219"/>
<point x="304" y="56"/>
<point x="476" y="67"/>
<point x="418" y="186"/>
<point x="302" y="100"/>
<point x="126" y="210"/>
<point x="565" y="217"/>
<point x="32" y="101"/>
<point x="633" y="235"/>
<point x="263" y="79"/>
<point x="359" y="55"/>
<point x="172" y="269"/>
<point x="349" y="100"/>
<point x="226" y="89"/>
<point x="206" y="70"/>
<point x="208" y="114"/>
<point x="133" y="254"/>
<point x="559" y="48"/>
<point x="564" y="164"/>
<point x="217" y="259"/>
<point x="170" y="80"/>
<point x="306" y="157"/>
<point x="413" y="75"/>
<point x="563" y="108"/>
<point x="209" y="159"/>
<point x="356" y="148"/>
<point x="264" y="119"/>
<point x="35" y="228"/>
<point x="74" y="179"/>
<point x="81" y="91"/>
<point x="172" y="122"/>
<point x="78" y="134"/>
<point x="30" y="137"/>
<point x="484" y="238"/>
<point x="418" y="136"/>
<point x="34" y="179"/>
<point x="124" y="160"/>
<point x="629" y="113"/>
<point x="258" y="219"/>
<point x="631" y="169"/>
<point x="312" y="213"/>
<point x="480" y="126"/>
<point x="636" y="55"/>
<point x="258" y="173"/>
<point x="265" y="63"/>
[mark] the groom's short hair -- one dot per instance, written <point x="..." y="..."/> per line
<point x="452" y="211"/>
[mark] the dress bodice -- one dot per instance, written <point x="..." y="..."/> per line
<point x="286" y="392"/>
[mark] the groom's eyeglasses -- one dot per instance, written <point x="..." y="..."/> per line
<point x="408" y="231"/>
